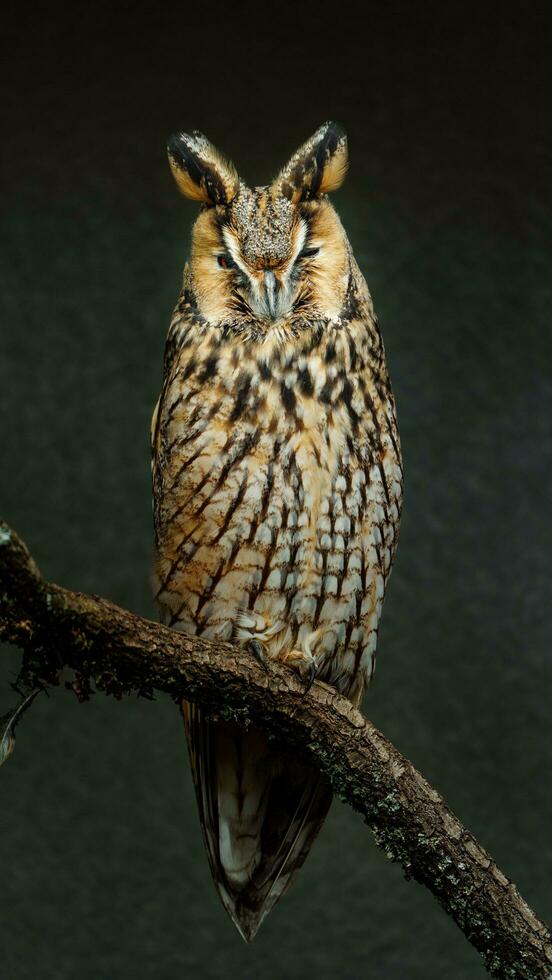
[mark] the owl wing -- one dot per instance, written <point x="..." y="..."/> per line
<point x="176" y="425"/>
<point x="172" y="345"/>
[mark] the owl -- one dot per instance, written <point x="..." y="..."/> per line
<point x="277" y="485"/>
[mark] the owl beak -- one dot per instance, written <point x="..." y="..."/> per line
<point x="270" y="294"/>
<point x="269" y="298"/>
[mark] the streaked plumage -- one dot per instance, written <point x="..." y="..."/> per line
<point x="277" y="483"/>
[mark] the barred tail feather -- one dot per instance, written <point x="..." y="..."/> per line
<point x="260" y="811"/>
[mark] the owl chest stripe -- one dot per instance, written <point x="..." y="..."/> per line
<point x="235" y="450"/>
<point x="234" y="505"/>
<point x="266" y="495"/>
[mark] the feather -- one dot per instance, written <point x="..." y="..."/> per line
<point x="318" y="167"/>
<point x="200" y="171"/>
<point x="260" y="810"/>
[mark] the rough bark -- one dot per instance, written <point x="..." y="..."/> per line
<point x="122" y="654"/>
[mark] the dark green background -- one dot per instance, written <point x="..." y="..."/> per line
<point x="447" y="108"/>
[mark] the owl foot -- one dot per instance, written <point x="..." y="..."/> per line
<point x="303" y="664"/>
<point x="259" y="652"/>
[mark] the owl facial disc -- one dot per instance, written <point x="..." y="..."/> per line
<point x="266" y="256"/>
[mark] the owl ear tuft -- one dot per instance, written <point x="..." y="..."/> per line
<point x="318" y="167"/>
<point x="200" y="171"/>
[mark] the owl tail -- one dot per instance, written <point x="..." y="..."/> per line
<point x="260" y="811"/>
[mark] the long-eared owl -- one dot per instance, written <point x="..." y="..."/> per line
<point x="277" y="484"/>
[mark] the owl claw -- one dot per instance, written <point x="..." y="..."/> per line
<point x="311" y="676"/>
<point x="303" y="664"/>
<point x="257" y="649"/>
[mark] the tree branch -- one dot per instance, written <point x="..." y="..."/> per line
<point x="123" y="654"/>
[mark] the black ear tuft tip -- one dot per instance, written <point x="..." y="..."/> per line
<point x="334" y="134"/>
<point x="335" y="127"/>
<point x="175" y="145"/>
<point x="181" y="145"/>
<point x="186" y="165"/>
<point x="183" y="149"/>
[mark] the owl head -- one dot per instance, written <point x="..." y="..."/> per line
<point x="274" y="255"/>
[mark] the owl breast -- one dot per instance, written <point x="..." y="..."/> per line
<point x="277" y="482"/>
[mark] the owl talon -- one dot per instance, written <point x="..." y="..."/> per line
<point x="311" y="677"/>
<point x="303" y="664"/>
<point x="258" y="650"/>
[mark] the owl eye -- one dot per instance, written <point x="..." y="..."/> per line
<point x="309" y="253"/>
<point x="226" y="262"/>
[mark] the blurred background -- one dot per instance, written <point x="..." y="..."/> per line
<point x="448" y="112"/>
